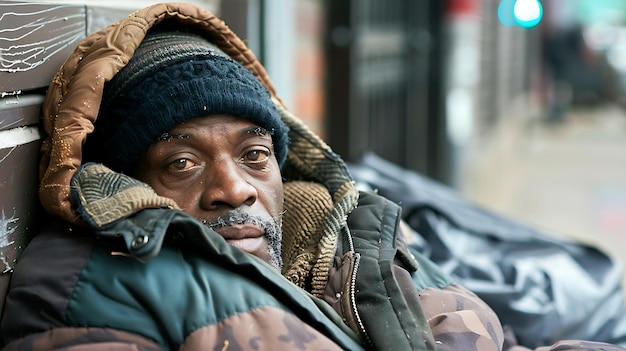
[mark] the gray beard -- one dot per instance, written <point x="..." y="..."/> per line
<point x="272" y="228"/>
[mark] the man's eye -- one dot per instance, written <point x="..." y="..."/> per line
<point x="256" y="156"/>
<point x="180" y="164"/>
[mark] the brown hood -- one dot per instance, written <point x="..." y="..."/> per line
<point x="73" y="100"/>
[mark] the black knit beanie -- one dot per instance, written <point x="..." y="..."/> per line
<point x="173" y="77"/>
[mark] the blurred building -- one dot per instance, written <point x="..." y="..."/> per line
<point x="421" y="83"/>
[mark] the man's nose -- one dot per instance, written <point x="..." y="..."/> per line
<point x="227" y="186"/>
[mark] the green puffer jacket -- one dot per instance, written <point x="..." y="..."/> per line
<point x="73" y="289"/>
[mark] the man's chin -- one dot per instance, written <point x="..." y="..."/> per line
<point x="254" y="246"/>
<point x="258" y="247"/>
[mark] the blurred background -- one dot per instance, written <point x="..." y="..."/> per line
<point x="516" y="104"/>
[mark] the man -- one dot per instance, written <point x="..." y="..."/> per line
<point x="192" y="211"/>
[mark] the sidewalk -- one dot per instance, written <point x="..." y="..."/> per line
<point x="569" y="179"/>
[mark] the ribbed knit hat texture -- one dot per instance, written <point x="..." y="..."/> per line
<point x="173" y="77"/>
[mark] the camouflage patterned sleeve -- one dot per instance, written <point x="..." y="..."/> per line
<point x="460" y="320"/>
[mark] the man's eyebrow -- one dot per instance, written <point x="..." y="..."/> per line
<point x="177" y="136"/>
<point x="256" y="130"/>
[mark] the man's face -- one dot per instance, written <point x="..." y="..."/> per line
<point x="222" y="170"/>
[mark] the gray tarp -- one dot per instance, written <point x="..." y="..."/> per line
<point x="545" y="287"/>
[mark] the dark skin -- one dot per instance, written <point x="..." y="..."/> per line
<point x="214" y="165"/>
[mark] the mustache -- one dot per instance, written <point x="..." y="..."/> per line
<point x="237" y="216"/>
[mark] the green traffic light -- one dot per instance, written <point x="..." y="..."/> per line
<point x="527" y="13"/>
<point x="523" y="13"/>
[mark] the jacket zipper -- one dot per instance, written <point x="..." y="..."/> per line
<point x="357" y="260"/>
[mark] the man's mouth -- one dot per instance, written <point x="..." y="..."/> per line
<point x="256" y="235"/>
<point x="240" y="231"/>
<point x="246" y="237"/>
